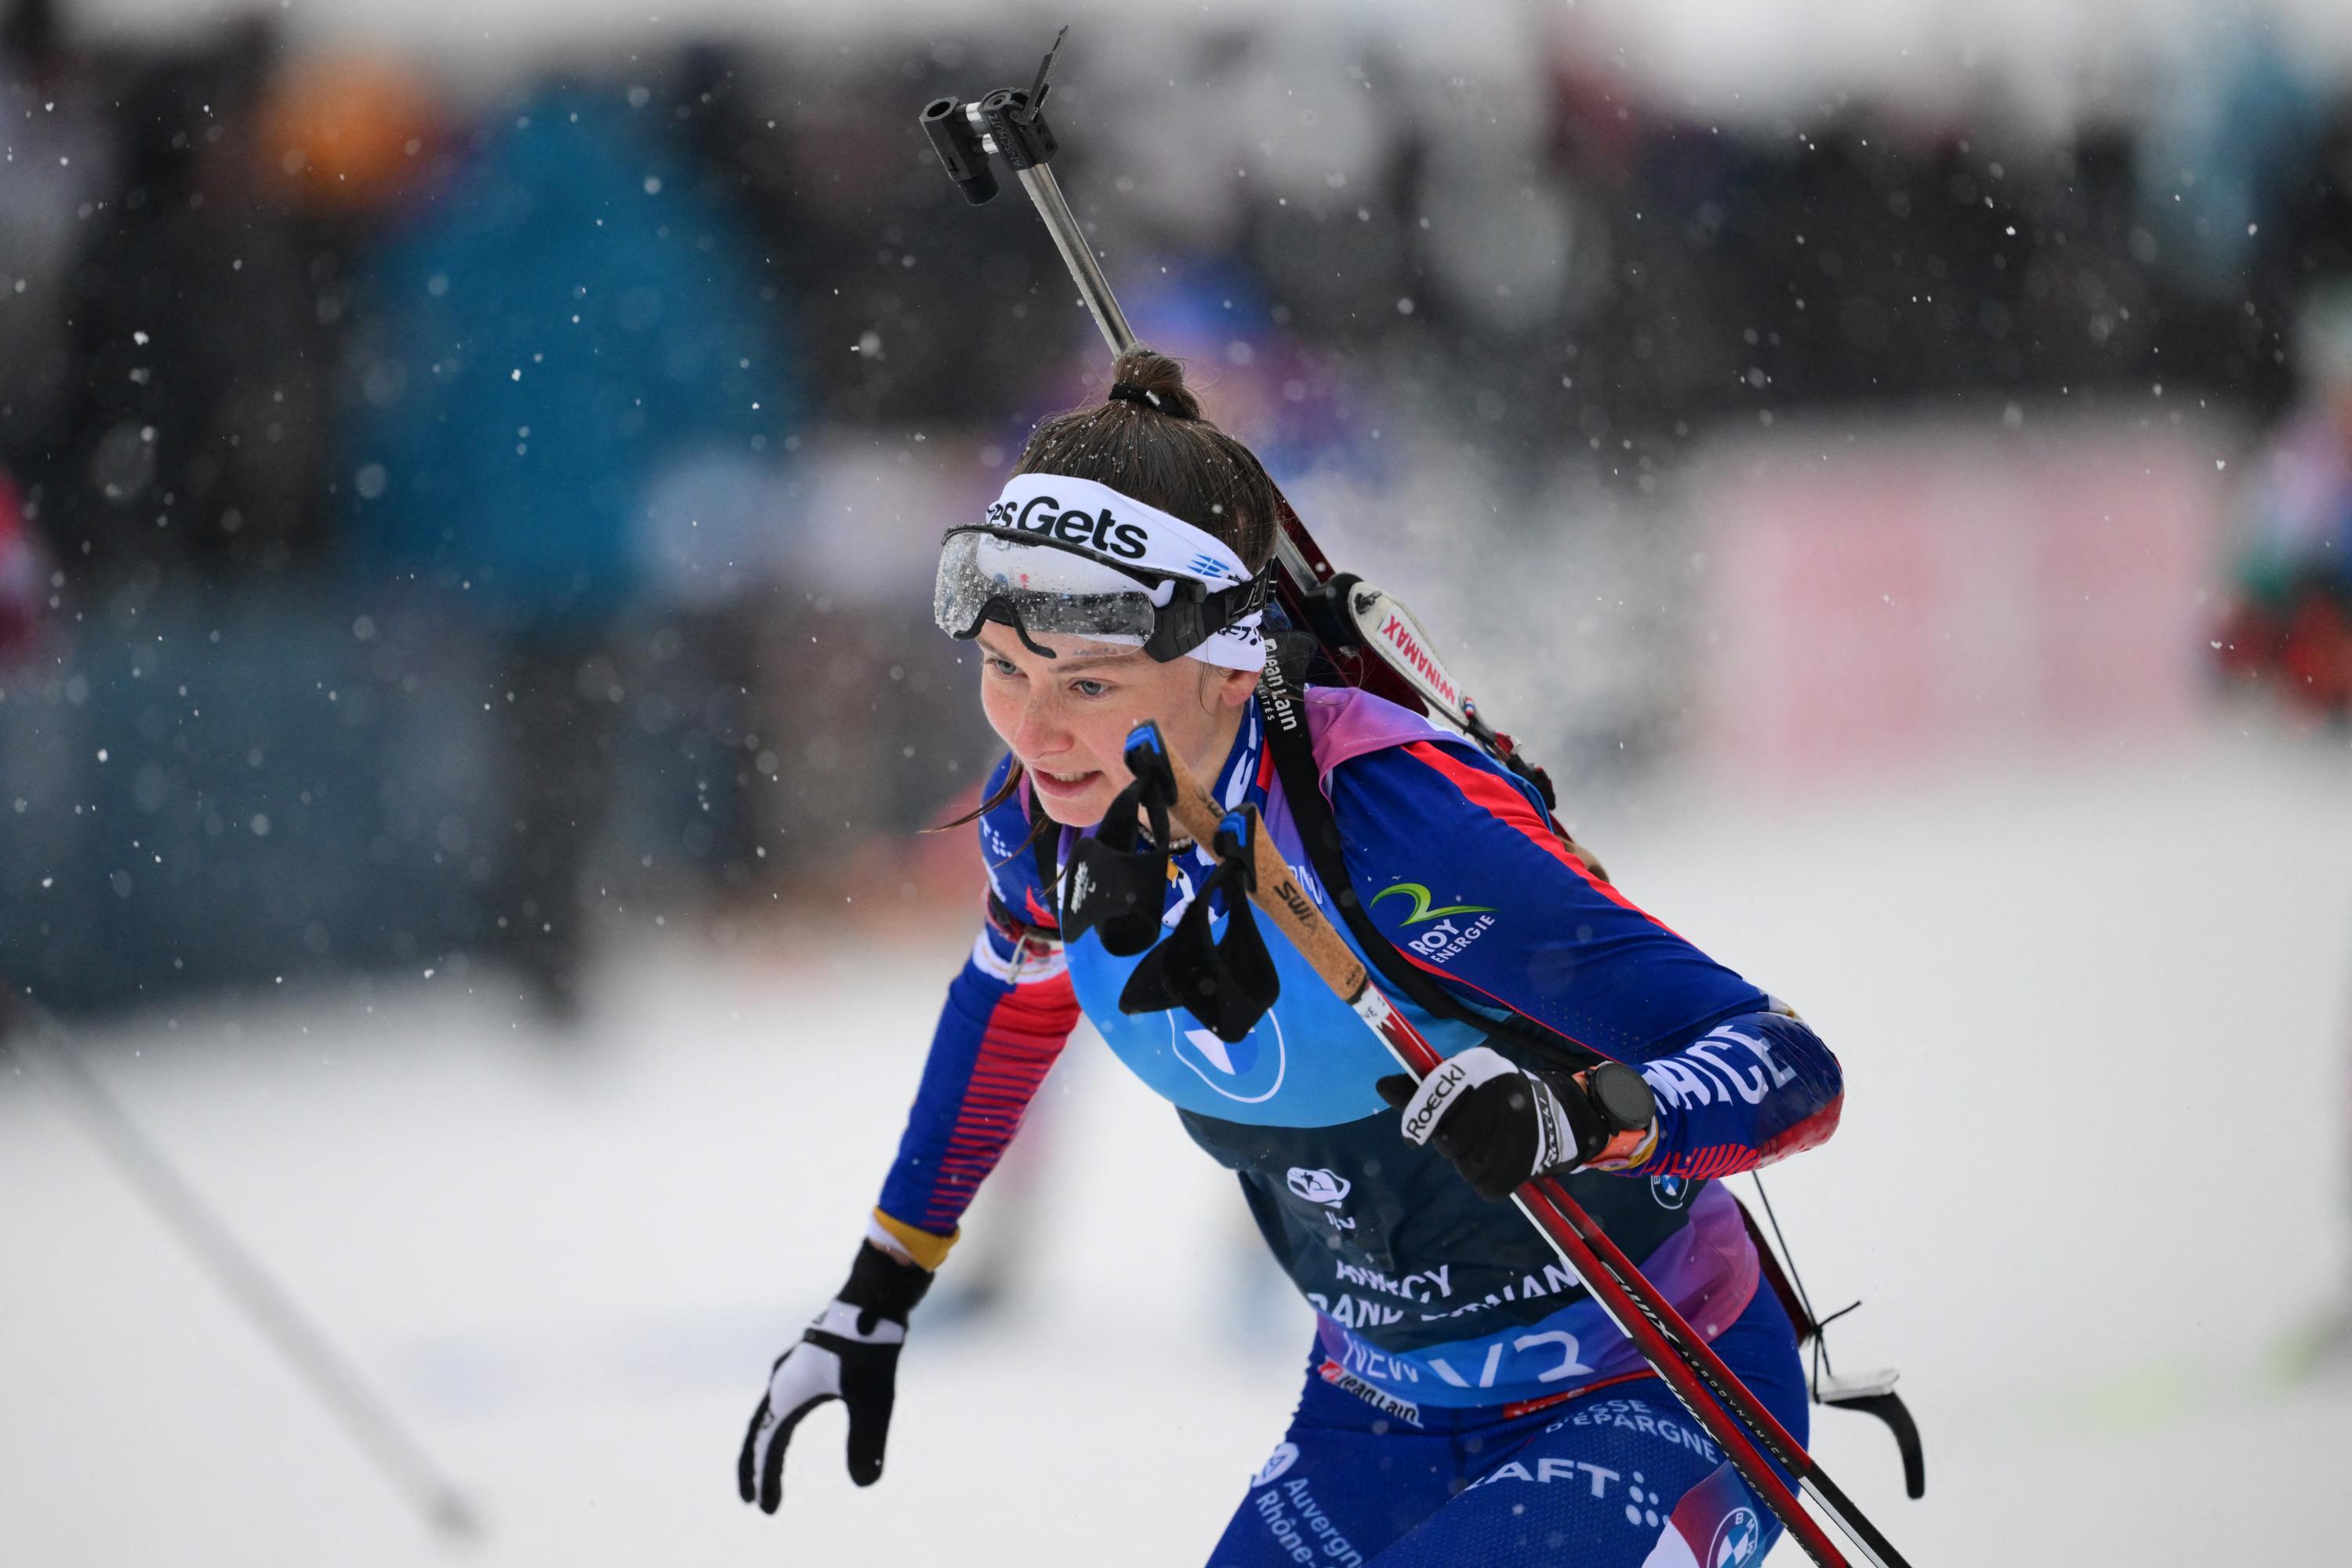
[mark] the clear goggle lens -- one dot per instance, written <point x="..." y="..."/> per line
<point x="1051" y="589"/>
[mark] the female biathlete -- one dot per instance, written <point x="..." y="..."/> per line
<point x="1466" y="1401"/>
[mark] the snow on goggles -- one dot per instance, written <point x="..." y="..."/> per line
<point x="1038" y="585"/>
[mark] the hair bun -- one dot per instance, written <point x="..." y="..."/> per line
<point x="1153" y="381"/>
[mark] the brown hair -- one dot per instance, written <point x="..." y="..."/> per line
<point x="1148" y="440"/>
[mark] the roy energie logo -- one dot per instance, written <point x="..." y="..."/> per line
<point x="1422" y="912"/>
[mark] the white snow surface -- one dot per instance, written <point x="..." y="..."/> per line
<point x="2093" y="1015"/>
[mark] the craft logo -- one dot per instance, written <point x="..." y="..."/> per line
<point x="1420" y="911"/>
<point x="1284" y="1454"/>
<point x="1736" y="1541"/>
<point x="1100" y="531"/>
<point x="1326" y="1187"/>
<point x="1671" y="1192"/>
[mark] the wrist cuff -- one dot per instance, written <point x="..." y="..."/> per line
<point x="926" y="1250"/>
<point x="882" y="1287"/>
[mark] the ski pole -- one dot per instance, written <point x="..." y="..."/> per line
<point x="1710" y="1390"/>
<point x="393" y="1453"/>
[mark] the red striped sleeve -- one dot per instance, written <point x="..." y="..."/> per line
<point x="1019" y="1044"/>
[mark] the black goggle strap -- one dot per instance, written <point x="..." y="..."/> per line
<point x="1228" y="984"/>
<point x="1115" y="885"/>
<point x="1194" y="614"/>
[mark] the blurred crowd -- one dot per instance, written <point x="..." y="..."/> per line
<point x="434" y="519"/>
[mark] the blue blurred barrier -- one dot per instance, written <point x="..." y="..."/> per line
<point x="241" y="786"/>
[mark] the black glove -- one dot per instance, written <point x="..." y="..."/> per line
<point x="1501" y="1124"/>
<point x="849" y="1354"/>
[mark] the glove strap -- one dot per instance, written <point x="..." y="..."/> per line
<point x="882" y="1288"/>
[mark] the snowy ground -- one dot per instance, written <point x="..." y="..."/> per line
<point x="2094" y="1014"/>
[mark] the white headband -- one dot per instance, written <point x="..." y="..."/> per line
<point x="1087" y="518"/>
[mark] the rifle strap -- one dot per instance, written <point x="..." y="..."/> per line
<point x="1285" y="714"/>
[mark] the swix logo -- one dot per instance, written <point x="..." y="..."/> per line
<point x="1319" y="1187"/>
<point x="1421" y="910"/>
<point x="1736" y="1539"/>
<point x="1096" y="531"/>
<point x="1398" y="633"/>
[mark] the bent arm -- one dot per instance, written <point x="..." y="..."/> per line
<point x="1748" y="1093"/>
<point x="1460" y="868"/>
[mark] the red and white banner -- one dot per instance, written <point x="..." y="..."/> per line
<point x="1882" y="597"/>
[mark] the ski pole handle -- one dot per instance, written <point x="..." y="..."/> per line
<point x="1197" y="811"/>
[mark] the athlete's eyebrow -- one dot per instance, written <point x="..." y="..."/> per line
<point x="1059" y="666"/>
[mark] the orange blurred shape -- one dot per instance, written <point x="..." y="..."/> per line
<point x="350" y="133"/>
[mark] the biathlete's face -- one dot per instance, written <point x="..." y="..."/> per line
<point x="1067" y="719"/>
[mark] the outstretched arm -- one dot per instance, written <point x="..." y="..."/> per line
<point x="1007" y="1017"/>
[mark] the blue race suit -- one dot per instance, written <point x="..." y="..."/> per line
<point x="1435" y="1310"/>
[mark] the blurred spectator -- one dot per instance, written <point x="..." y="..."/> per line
<point x="2290" y="624"/>
<point x="23" y="576"/>
<point x="350" y="135"/>
<point x="2310" y="240"/>
<point x="568" y="317"/>
<point x="192" y="435"/>
<point x="59" y="160"/>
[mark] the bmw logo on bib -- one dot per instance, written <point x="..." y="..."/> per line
<point x="1249" y="1069"/>
<point x="1736" y="1541"/>
<point x="1671" y="1192"/>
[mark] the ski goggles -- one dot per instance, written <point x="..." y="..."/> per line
<point x="1072" y="556"/>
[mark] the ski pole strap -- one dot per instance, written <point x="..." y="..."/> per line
<point x="1281" y="696"/>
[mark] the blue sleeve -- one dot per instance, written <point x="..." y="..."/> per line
<point x="1007" y="1017"/>
<point x="1457" y="863"/>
